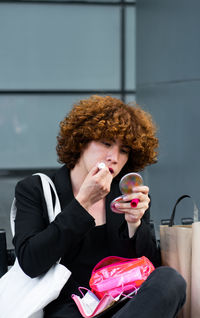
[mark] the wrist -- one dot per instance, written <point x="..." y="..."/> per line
<point x="83" y="202"/>
<point x="132" y="227"/>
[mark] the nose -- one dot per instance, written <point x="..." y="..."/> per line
<point x="113" y="154"/>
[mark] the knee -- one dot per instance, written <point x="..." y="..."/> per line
<point x="170" y="281"/>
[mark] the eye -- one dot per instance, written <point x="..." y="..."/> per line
<point x="106" y="143"/>
<point x="125" y="150"/>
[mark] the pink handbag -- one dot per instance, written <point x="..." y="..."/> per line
<point x="117" y="275"/>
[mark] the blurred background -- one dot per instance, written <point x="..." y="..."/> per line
<point x="53" y="53"/>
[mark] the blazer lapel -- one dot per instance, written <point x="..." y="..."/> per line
<point x="63" y="185"/>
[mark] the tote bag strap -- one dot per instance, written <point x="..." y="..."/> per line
<point x="47" y="185"/>
<point x="195" y="210"/>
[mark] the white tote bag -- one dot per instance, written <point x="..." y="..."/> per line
<point x="25" y="297"/>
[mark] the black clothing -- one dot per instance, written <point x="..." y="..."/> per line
<point x="39" y="244"/>
<point x="93" y="248"/>
<point x="72" y="236"/>
<point x="161" y="295"/>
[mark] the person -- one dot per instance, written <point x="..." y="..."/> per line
<point x="123" y="137"/>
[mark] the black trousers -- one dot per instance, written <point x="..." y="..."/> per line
<point x="162" y="295"/>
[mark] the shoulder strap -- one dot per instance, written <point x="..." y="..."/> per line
<point x="13" y="212"/>
<point x="47" y="184"/>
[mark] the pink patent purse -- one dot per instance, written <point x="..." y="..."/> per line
<point x="116" y="275"/>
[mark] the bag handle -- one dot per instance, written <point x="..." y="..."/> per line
<point x="47" y="184"/>
<point x="195" y="210"/>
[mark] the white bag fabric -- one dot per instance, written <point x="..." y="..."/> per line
<point x="25" y="297"/>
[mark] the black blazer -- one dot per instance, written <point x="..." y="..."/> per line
<point x="39" y="244"/>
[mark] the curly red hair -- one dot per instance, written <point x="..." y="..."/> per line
<point x="107" y="118"/>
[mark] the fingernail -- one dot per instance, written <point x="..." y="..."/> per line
<point x="125" y="197"/>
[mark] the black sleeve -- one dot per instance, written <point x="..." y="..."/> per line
<point x="143" y="242"/>
<point x="39" y="244"/>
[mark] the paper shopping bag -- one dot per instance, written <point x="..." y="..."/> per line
<point x="195" y="282"/>
<point x="180" y="249"/>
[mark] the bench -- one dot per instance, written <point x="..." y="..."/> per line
<point x="7" y="256"/>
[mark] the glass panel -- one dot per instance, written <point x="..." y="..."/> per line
<point x="130" y="98"/>
<point x="130" y="47"/>
<point x="59" y="46"/>
<point x="29" y="125"/>
<point x="93" y="1"/>
<point x="100" y="1"/>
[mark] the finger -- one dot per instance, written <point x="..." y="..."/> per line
<point x="141" y="196"/>
<point x="143" y="189"/>
<point x="131" y="218"/>
<point x="135" y="214"/>
<point x="98" y="169"/>
<point x="93" y="171"/>
<point x="105" y="174"/>
<point x="128" y="207"/>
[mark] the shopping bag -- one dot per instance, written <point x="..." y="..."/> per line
<point x="25" y="297"/>
<point x="180" y="249"/>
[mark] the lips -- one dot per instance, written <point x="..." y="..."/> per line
<point x="111" y="170"/>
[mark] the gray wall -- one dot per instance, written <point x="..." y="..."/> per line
<point x="168" y="85"/>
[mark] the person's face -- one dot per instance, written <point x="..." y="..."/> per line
<point x="113" y="154"/>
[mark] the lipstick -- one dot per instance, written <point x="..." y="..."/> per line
<point x="101" y="165"/>
<point x="134" y="203"/>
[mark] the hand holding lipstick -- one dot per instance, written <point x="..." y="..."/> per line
<point x="95" y="186"/>
<point x="102" y="165"/>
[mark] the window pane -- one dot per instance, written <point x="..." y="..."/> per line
<point x="130" y="47"/>
<point x="7" y="186"/>
<point x="29" y="125"/>
<point x="96" y="1"/>
<point x="130" y="98"/>
<point x="56" y="46"/>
